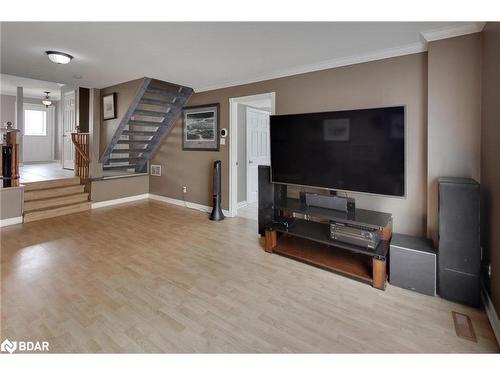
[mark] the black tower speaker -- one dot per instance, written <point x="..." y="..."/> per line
<point x="7" y="165"/>
<point x="269" y="193"/>
<point x="459" y="256"/>
<point x="217" y="214"/>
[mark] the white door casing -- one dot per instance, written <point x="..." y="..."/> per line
<point x="258" y="149"/>
<point x="69" y="126"/>
<point x="38" y="147"/>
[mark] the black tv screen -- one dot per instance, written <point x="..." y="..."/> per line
<point x="357" y="150"/>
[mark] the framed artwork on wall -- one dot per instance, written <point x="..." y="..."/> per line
<point x="109" y="106"/>
<point x="200" y="128"/>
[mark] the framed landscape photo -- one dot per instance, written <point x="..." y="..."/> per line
<point x="200" y="128"/>
<point x="109" y="106"/>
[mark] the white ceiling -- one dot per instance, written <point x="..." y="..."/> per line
<point x="32" y="88"/>
<point x="206" y="55"/>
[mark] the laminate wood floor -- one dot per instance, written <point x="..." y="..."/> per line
<point x="152" y="277"/>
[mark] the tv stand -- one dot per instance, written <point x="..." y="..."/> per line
<point x="308" y="238"/>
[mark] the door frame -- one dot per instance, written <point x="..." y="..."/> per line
<point x="65" y="90"/>
<point x="268" y="143"/>
<point x="50" y="125"/>
<point x="233" y="146"/>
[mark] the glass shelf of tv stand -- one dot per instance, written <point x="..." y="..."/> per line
<point x="367" y="218"/>
<point x="320" y="232"/>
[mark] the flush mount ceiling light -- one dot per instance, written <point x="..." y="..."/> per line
<point x="46" y="101"/>
<point x="59" y="57"/>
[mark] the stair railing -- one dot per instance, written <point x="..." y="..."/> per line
<point x="81" y="142"/>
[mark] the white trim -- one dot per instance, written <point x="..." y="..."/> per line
<point x="11" y="221"/>
<point x="242" y="204"/>
<point x="179" y="202"/>
<point x="113" y="202"/>
<point x="490" y="312"/>
<point x="453" y="31"/>
<point x="447" y="32"/>
<point x="233" y="146"/>
<point x="328" y="64"/>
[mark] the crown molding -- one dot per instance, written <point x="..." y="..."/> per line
<point x="463" y="28"/>
<point x="328" y="64"/>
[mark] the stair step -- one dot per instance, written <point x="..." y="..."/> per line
<point x="167" y="103"/>
<point x="121" y="160"/>
<point x="55" y="202"/>
<point x="53" y="192"/>
<point x="127" y="142"/>
<point x="128" y="150"/>
<point x="112" y="167"/>
<point x="29" y="186"/>
<point x="145" y="112"/>
<point x="138" y="132"/>
<point x="163" y="92"/>
<point x="144" y="123"/>
<point x="54" y="212"/>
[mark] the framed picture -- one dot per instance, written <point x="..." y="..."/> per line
<point x="200" y="128"/>
<point x="109" y="106"/>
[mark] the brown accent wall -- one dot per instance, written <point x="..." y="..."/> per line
<point x="490" y="155"/>
<point x="394" y="81"/>
<point x="115" y="188"/>
<point x="125" y="93"/>
<point x="454" y="125"/>
<point x="11" y="202"/>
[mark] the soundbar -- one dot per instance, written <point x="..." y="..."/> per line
<point x="331" y="202"/>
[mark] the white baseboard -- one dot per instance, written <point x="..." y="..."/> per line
<point x="491" y="312"/>
<point x="178" y="202"/>
<point x="113" y="202"/>
<point x="11" y="221"/>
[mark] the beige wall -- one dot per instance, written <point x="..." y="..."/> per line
<point x="454" y="110"/>
<point x="125" y="93"/>
<point x="395" y="81"/>
<point x="11" y="202"/>
<point x="115" y="188"/>
<point x="490" y="155"/>
<point x="7" y="109"/>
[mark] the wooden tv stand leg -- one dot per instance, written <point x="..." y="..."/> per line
<point x="379" y="273"/>
<point x="270" y="240"/>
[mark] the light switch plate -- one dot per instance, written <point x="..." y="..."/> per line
<point x="223" y="141"/>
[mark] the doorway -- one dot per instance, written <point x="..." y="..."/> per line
<point x="249" y="126"/>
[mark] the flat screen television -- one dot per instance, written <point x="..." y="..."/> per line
<point x="357" y="150"/>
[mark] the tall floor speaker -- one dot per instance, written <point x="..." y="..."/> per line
<point x="269" y="193"/>
<point x="217" y="214"/>
<point x="459" y="258"/>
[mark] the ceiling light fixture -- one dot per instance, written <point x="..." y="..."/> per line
<point x="46" y="101"/>
<point x="59" y="57"/>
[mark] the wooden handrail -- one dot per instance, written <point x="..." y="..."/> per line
<point x="81" y="142"/>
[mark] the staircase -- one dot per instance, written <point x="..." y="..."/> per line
<point x="152" y="113"/>
<point x="52" y="198"/>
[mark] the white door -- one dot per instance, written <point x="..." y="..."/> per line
<point x="258" y="149"/>
<point x="38" y="137"/>
<point x="69" y="126"/>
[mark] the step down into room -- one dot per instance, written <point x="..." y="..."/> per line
<point x="46" y="199"/>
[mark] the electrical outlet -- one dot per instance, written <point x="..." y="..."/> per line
<point x="184" y="189"/>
